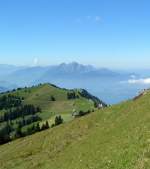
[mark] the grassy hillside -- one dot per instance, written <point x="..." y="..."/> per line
<point x="41" y="96"/>
<point x="26" y="110"/>
<point x="117" y="137"/>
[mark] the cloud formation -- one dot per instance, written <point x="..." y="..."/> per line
<point x="35" y="61"/>
<point x="145" y="81"/>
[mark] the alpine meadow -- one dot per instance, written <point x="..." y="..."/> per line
<point x="74" y="84"/>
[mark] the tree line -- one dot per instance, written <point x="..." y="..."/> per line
<point x="5" y="131"/>
<point x="15" y="116"/>
<point x="8" y="101"/>
<point x="72" y="95"/>
<point x="21" y="111"/>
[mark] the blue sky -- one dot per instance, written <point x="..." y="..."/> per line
<point x="106" y="33"/>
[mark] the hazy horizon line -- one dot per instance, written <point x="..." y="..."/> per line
<point x="84" y="64"/>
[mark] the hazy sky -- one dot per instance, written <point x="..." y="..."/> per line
<point x="107" y="33"/>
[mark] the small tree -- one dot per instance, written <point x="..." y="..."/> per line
<point x="19" y="132"/>
<point x="53" y="125"/>
<point x="47" y="125"/>
<point x="58" y="120"/>
<point x="53" y="98"/>
<point x="37" y="127"/>
<point x="71" y="95"/>
<point x="29" y="131"/>
<point x="4" y="134"/>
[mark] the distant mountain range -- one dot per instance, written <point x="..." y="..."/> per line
<point x="102" y="82"/>
<point x="9" y="69"/>
<point x="22" y="76"/>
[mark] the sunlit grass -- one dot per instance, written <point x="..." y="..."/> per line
<point x="117" y="137"/>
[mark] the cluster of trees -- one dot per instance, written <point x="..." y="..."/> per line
<point x="21" y="111"/>
<point x="29" y="120"/>
<point x="8" y="101"/>
<point x="5" y="131"/>
<point x="18" y="89"/>
<point x="36" y="128"/>
<point x="15" y="116"/>
<point x="81" y="113"/>
<point x="58" y="120"/>
<point x="72" y="95"/>
<point x="30" y="130"/>
<point x="45" y="126"/>
<point x="8" y="127"/>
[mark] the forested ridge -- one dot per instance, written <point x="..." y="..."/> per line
<point x="14" y="116"/>
<point x="25" y="111"/>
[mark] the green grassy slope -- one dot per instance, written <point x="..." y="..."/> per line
<point x="41" y="96"/>
<point x="117" y="137"/>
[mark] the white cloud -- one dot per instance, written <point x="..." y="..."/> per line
<point x="139" y="81"/>
<point x="35" y="61"/>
